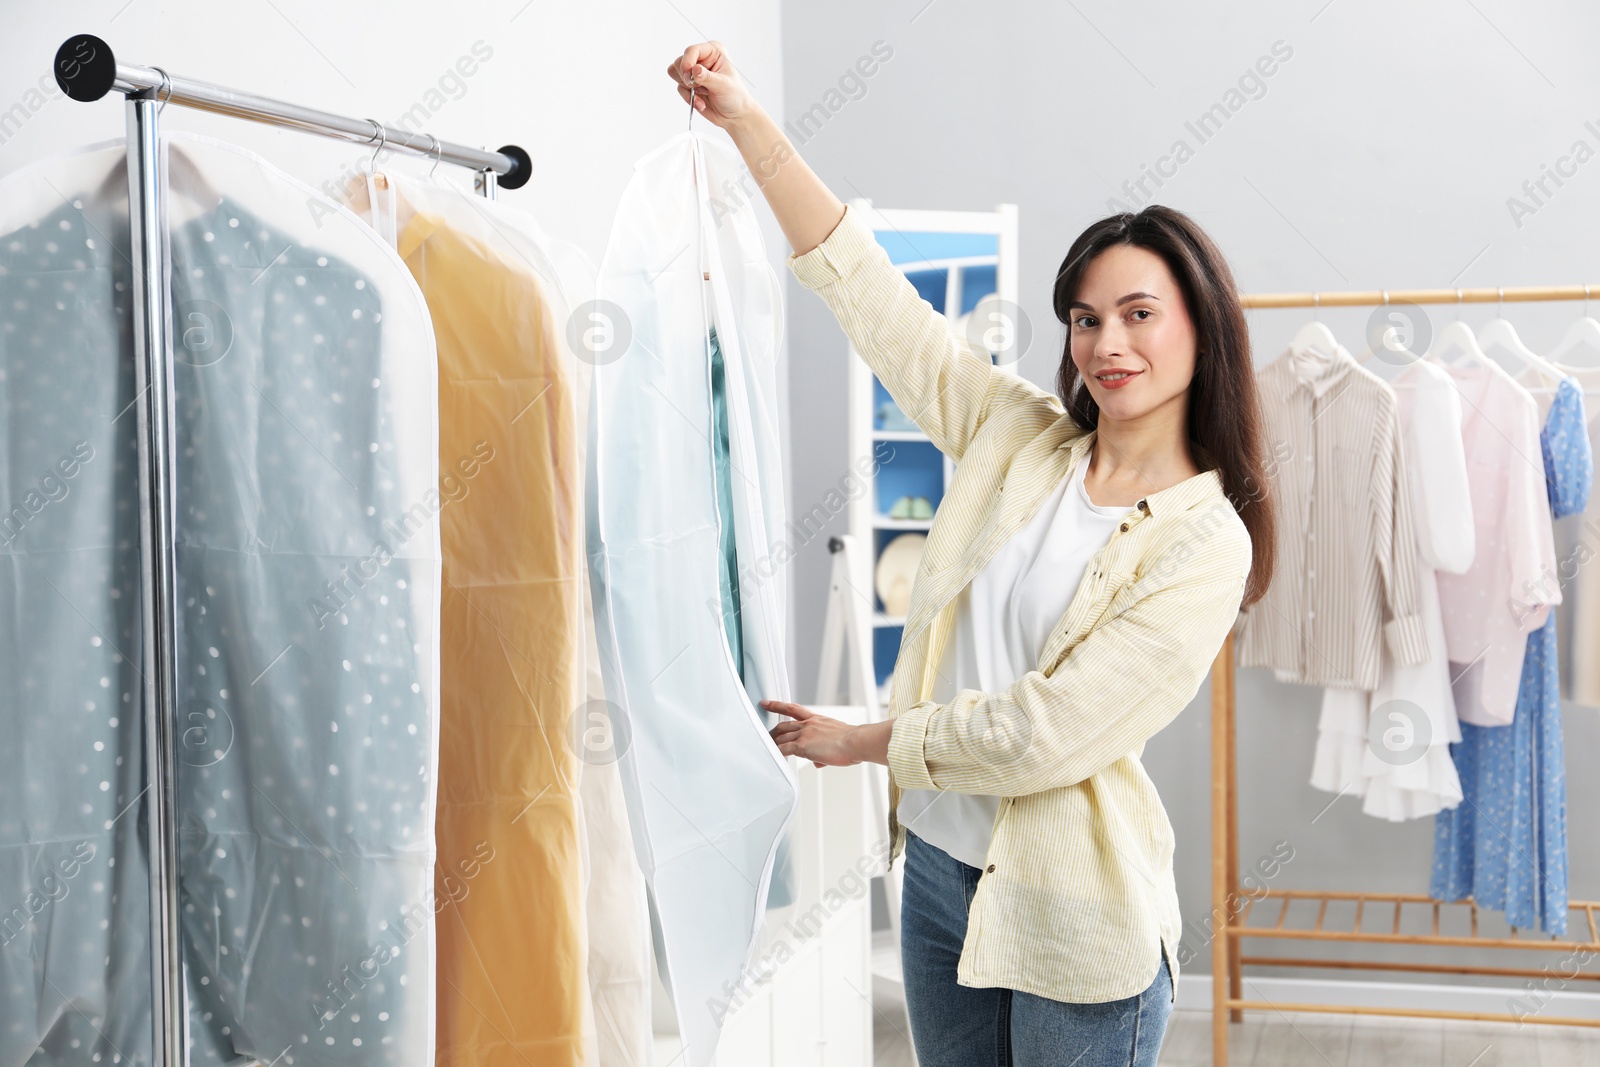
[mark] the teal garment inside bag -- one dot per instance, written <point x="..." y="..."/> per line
<point x="729" y="563"/>
<point x="781" y="893"/>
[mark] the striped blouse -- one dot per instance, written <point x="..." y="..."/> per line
<point x="1346" y="576"/>
<point x="1077" y="897"/>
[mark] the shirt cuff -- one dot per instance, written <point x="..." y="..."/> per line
<point x="1408" y="639"/>
<point x="836" y="256"/>
<point x="906" y="739"/>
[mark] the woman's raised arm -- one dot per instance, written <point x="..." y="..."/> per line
<point x="806" y="209"/>
<point x="941" y="380"/>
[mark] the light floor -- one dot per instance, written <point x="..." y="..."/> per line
<point x="1316" y="1040"/>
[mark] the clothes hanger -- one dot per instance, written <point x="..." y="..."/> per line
<point x="1392" y="367"/>
<point x="1582" y="336"/>
<point x="1500" y="336"/>
<point x="379" y="210"/>
<point x="191" y="184"/>
<point x="1458" y="337"/>
<point x="1396" y="358"/>
<point x="1314" y="338"/>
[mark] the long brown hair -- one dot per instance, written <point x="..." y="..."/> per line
<point x="1224" y="410"/>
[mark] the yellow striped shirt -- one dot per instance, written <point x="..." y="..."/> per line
<point x="1077" y="897"/>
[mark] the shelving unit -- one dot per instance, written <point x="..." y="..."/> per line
<point x="954" y="258"/>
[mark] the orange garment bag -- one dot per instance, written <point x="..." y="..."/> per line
<point x="512" y="978"/>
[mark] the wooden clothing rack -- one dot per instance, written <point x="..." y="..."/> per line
<point x="1231" y="912"/>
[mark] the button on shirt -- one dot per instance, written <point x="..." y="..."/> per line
<point x="1346" y="577"/>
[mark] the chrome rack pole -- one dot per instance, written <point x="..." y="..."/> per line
<point x="158" y="599"/>
<point x="86" y="69"/>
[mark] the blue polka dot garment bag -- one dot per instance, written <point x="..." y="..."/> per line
<point x="308" y="572"/>
<point x="74" y="900"/>
<point x="709" y="796"/>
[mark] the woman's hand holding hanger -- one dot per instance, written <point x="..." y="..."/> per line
<point x="719" y="93"/>
<point x="805" y="208"/>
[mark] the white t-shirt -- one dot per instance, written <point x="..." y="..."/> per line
<point x="1002" y="619"/>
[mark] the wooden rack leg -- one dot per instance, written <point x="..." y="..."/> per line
<point x="1223" y="870"/>
<point x="1230" y="750"/>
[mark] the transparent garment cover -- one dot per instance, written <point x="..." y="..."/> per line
<point x="308" y="569"/>
<point x="513" y="984"/>
<point x="74" y="904"/>
<point x="709" y="795"/>
<point x="618" y="921"/>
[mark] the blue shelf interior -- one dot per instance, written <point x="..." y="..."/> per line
<point x="908" y="468"/>
<point x="913" y="246"/>
<point x="976" y="283"/>
<point x="931" y="285"/>
<point x="916" y="468"/>
<point x="885" y="647"/>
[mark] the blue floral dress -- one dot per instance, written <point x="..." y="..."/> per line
<point x="1505" y="845"/>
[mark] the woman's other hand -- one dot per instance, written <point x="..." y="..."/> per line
<point x="719" y="94"/>
<point x="825" y="742"/>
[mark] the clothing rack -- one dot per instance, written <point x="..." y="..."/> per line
<point x="1231" y="923"/>
<point x="86" y="70"/>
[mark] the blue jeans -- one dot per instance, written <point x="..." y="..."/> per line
<point x="957" y="1026"/>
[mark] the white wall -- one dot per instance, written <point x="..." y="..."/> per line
<point x="581" y="86"/>
<point x="1380" y="153"/>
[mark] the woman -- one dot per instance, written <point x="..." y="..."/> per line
<point x="1087" y="561"/>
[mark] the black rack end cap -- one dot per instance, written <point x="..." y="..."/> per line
<point x="517" y="176"/>
<point x="85" y="68"/>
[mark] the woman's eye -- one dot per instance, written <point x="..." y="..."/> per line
<point x="1084" y="322"/>
<point x="1141" y="314"/>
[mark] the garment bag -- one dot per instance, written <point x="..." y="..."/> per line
<point x="617" y="918"/>
<point x="616" y="915"/>
<point x="709" y="795"/>
<point x="74" y="903"/>
<point x="308" y="564"/>
<point x="513" y="985"/>
<point x="308" y="569"/>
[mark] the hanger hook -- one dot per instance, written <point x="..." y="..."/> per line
<point x="1386" y="296"/>
<point x="166" y="83"/>
<point x="438" y="153"/>
<point x="1586" y="298"/>
<point x="691" y="102"/>
<point x="1459" y="299"/>
<point x="1316" y="302"/>
<point x="381" y="136"/>
<point x="1502" y="291"/>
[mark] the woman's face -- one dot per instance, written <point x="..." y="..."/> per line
<point x="1132" y="339"/>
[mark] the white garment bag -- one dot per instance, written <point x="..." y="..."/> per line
<point x="709" y="795"/>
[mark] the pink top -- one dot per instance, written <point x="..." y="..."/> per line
<point x="1506" y="594"/>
